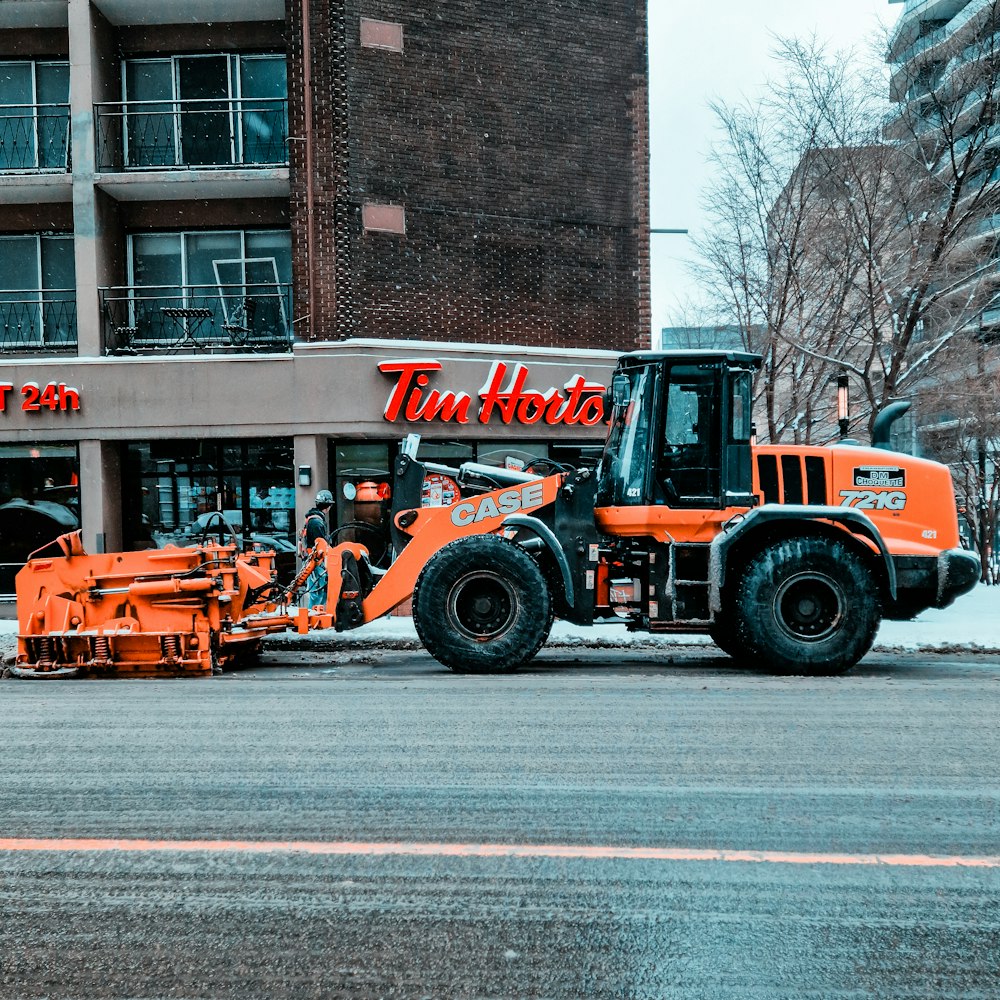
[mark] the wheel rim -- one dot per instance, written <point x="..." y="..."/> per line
<point x="483" y="606"/>
<point x="809" y="607"/>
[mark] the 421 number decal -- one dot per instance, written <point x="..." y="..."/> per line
<point x="873" y="499"/>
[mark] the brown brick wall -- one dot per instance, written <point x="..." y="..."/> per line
<point x="515" y="136"/>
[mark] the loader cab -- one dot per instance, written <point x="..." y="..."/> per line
<point x="679" y="432"/>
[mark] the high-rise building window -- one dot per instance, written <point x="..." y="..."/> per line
<point x="34" y="115"/>
<point x="37" y="292"/>
<point x="203" y="110"/>
<point x="204" y="289"/>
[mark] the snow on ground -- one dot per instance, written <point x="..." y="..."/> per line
<point x="971" y="624"/>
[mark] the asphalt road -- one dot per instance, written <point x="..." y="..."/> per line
<point x="899" y="757"/>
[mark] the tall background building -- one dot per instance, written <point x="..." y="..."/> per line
<point x="945" y="77"/>
<point x="229" y="228"/>
<point x="944" y="57"/>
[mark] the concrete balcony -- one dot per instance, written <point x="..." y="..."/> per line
<point x="192" y="134"/>
<point x="35" y="154"/>
<point x="120" y="12"/>
<point x="916" y="12"/>
<point x="187" y="185"/>
<point x="940" y="44"/>
<point x="42" y="321"/>
<point x="34" y="138"/>
<point x="197" y="319"/>
<point x="171" y="150"/>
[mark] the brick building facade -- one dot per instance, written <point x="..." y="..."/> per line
<point x="513" y="137"/>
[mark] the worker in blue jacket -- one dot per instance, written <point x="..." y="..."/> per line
<point x="316" y="526"/>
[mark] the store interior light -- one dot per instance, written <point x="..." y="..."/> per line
<point x="305" y="475"/>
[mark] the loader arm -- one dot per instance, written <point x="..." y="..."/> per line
<point x="431" y="528"/>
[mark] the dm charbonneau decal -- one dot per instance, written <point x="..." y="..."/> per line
<point x="875" y="477"/>
<point x="876" y="487"/>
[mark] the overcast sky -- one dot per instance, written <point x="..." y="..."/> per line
<point x="703" y="52"/>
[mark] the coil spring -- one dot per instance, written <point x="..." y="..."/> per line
<point x="43" y="650"/>
<point x="102" y="647"/>
<point x="171" y="646"/>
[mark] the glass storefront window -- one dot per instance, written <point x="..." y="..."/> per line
<point x="513" y="456"/>
<point x="39" y="501"/>
<point x="361" y="472"/>
<point x="361" y="478"/>
<point x="354" y="463"/>
<point x="177" y="492"/>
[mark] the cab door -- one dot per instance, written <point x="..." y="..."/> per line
<point x="703" y="459"/>
<point x="688" y="458"/>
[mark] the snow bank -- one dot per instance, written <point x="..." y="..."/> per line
<point x="971" y="624"/>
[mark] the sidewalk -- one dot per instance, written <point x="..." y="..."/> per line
<point x="971" y="624"/>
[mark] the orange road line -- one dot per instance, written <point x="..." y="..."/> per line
<point x="567" y="851"/>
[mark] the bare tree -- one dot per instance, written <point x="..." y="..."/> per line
<point x="967" y="437"/>
<point x="763" y="263"/>
<point x="852" y="231"/>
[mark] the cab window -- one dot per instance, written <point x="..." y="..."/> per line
<point x="688" y="463"/>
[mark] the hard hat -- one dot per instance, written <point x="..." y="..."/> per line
<point x="324" y="496"/>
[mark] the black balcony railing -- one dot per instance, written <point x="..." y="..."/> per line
<point x="211" y="318"/>
<point x="34" y="137"/>
<point x="41" y="320"/>
<point x="251" y="132"/>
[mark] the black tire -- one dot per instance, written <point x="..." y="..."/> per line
<point x="807" y="606"/>
<point x="725" y="636"/>
<point x="481" y="605"/>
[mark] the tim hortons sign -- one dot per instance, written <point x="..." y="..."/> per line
<point x="503" y="397"/>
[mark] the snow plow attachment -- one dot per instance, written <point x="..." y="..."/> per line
<point x="165" y="612"/>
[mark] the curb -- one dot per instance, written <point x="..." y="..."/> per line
<point x="344" y="644"/>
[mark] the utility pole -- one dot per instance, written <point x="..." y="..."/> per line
<point x="983" y="499"/>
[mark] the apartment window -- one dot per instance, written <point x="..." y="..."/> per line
<point x="215" y="259"/>
<point x="34" y="115"/>
<point x="37" y="297"/>
<point x="200" y="111"/>
<point x="211" y="288"/>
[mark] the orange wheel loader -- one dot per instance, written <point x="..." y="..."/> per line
<point x="788" y="557"/>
